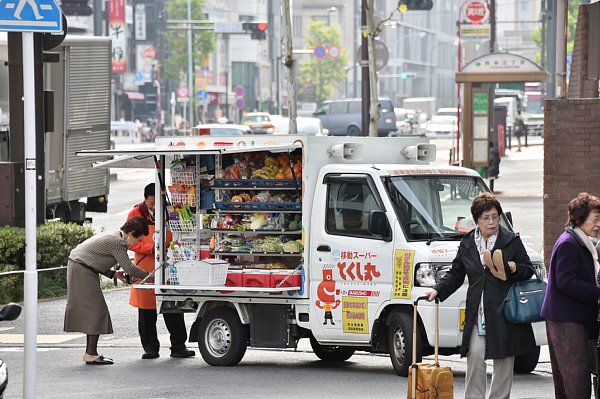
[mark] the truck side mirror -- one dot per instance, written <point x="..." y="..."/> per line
<point x="509" y="217"/>
<point x="379" y="225"/>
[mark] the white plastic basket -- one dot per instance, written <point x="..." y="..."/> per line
<point x="209" y="272"/>
<point x="184" y="250"/>
<point x="186" y="176"/>
<point x="182" y="226"/>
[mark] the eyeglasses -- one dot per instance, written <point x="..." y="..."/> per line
<point x="488" y="219"/>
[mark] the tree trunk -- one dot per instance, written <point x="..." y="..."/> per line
<point x="374" y="110"/>
<point x="289" y="64"/>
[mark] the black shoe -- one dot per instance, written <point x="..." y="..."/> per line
<point x="150" y="355"/>
<point x="183" y="354"/>
<point x="100" y="360"/>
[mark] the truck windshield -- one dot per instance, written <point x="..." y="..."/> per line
<point x="435" y="207"/>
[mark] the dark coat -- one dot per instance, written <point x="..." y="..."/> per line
<point x="503" y="339"/>
<point x="572" y="293"/>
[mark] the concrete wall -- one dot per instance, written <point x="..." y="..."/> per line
<point x="571" y="160"/>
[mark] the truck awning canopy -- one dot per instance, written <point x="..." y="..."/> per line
<point x="144" y="157"/>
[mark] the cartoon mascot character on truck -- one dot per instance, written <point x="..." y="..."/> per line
<point x="326" y="295"/>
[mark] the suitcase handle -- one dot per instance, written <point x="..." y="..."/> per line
<point x="414" y="346"/>
<point x="424" y="298"/>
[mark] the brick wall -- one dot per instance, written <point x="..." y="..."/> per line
<point x="571" y="159"/>
<point x="579" y="84"/>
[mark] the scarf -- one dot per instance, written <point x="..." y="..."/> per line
<point x="482" y="245"/>
<point x="590" y="247"/>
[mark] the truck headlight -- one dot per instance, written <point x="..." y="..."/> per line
<point x="540" y="270"/>
<point x="428" y="274"/>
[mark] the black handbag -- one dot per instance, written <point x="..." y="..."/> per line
<point x="523" y="303"/>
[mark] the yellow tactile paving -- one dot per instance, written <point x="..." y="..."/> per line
<point x="14" y="339"/>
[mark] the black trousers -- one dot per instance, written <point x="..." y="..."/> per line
<point x="149" y="337"/>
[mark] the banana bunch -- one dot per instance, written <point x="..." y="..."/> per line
<point x="266" y="172"/>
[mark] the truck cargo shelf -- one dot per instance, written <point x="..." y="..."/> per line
<point x="278" y="232"/>
<point x="258" y="206"/>
<point x="214" y="288"/>
<point x="258" y="253"/>
<point x="289" y="184"/>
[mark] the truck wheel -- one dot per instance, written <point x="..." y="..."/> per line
<point x="331" y="353"/>
<point x="353" y="131"/>
<point x="525" y="364"/>
<point x="222" y="338"/>
<point x="400" y="343"/>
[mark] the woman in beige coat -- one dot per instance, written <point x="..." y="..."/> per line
<point x="86" y="308"/>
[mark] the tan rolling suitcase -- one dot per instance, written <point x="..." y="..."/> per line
<point x="429" y="380"/>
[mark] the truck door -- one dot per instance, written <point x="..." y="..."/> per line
<point x="351" y="267"/>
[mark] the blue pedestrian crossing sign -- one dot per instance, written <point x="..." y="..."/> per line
<point x="30" y="16"/>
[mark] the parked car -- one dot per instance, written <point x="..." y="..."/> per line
<point x="442" y="126"/>
<point x="259" y="122"/>
<point x="304" y="125"/>
<point x="451" y="111"/>
<point x="343" y="117"/>
<point x="218" y="129"/>
<point x="407" y="121"/>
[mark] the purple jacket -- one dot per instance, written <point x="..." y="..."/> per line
<point x="572" y="294"/>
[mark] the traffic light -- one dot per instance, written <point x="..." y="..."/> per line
<point x="408" y="5"/>
<point x="257" y="30"/>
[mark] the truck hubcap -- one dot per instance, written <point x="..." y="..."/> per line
<point x="218" y="338"/>
<point x="399" y="345"/>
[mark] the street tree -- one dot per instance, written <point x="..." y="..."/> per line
<point x="326" y="73"/>
<point x="203" y="42"/>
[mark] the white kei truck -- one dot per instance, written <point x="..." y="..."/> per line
<point x="326" y="238"/>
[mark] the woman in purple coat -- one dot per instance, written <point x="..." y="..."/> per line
<point x="571" y="302"/>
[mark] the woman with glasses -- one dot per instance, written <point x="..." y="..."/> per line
<point x="493" y="258"/>
<point x="571" y="303"/>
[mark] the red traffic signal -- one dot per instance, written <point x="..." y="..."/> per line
<point x="257" y="30"/>
<point x="424" y="5"/>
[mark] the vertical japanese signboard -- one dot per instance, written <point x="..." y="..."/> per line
<point x="481" y="126"/>
<point x="403" y="264"/>
<point x="116" y="29"/>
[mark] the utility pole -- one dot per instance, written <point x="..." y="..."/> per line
<point x="364" y="67"/>
<point x="551" y="45"/>
<point x="290" y="64"/>
<point x="191" y="91"/>
<point x="492" y="26"/>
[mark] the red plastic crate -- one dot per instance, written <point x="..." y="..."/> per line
<point x="295" y="279"/>
<point x="256" y="278"/>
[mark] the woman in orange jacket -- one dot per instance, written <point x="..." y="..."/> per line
<point x="145" y="300"/>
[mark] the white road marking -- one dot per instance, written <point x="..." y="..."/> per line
<point x="13" y="339"/>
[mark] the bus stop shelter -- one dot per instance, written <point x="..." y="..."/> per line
<point x="479" y="77"/>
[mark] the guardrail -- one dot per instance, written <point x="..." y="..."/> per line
<point x="49" y="269"/>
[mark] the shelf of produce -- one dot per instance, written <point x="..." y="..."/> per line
<point x="213" y="288"/>
<point x="295" y="254"/>
<point x="256" y="210"/>
<point x="258" y="184"/>
<point x="244" y="232"/>
<point x="258" y="206"/>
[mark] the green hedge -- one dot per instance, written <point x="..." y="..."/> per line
<point x="55" y="240"/>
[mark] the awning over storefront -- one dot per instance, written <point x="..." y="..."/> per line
<point x="134" y="95"/>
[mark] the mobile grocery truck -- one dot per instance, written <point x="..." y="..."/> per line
<point x="278" y="238"/>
